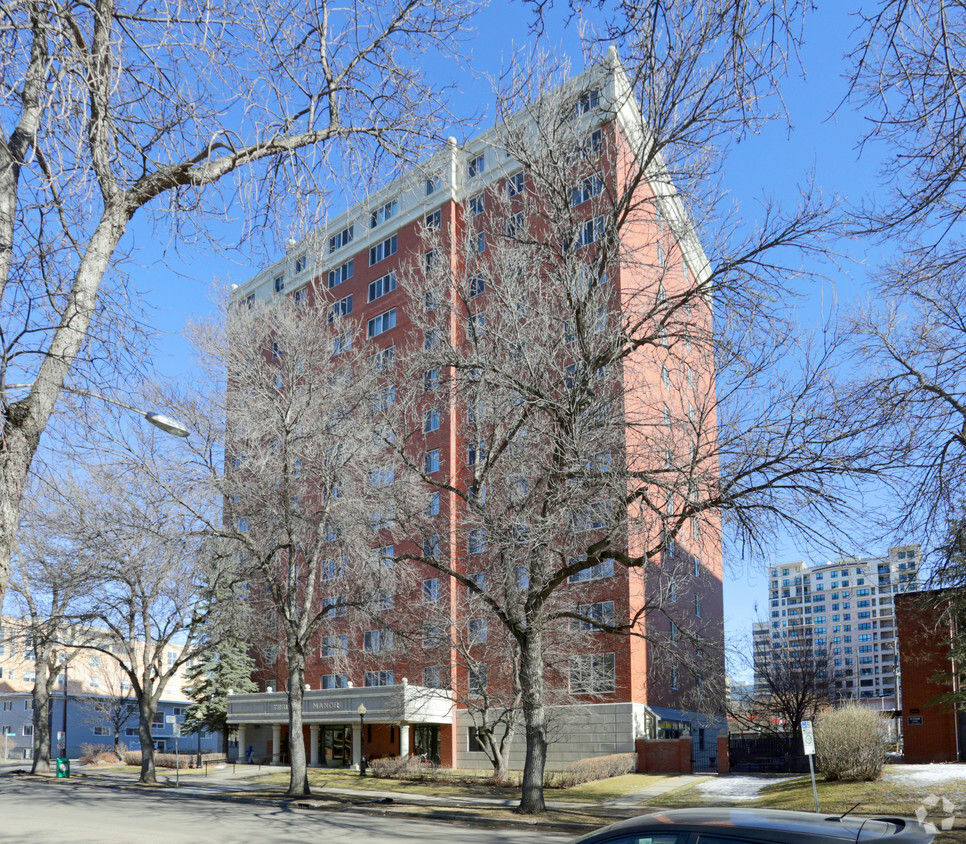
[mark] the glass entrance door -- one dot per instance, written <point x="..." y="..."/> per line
<point x="336" y="746"/>
<point x="426" y="742"/>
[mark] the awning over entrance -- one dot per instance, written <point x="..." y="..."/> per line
<point x="383" y="704"/>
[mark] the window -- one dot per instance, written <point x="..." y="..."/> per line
<point x="28" y="729"/>
<point x="337" y="645"/>
<point x="477" y="677"/>
<point x="476" y="205"/>
<point x="432" y="503"/>
<point x="605" y="568"/>
<point x="432" y="185"/>
<point x="101" y="731"/>
<point x="341" y="274"/>
<point x="375" y="641"/>
<point x="475" y="453"/>
<point x="334" y="681"/>
<point x="434" y="220"/>
<point x="384" y="358"/>
<point x="94" y="662"/>
<point x="430" y="259"/>
<point x="29" y="677"/>
<point x="382" y="286"/>
<point x="514" y="224"/>
<point x="383" y="250"/>
<point x="594" y="143"/>
<point x="586" y="189"/>
<point x="674" y="677"/>
<point x="301" y="262"/>
<point x="334" y="606"/>
<point x="130" y="731"/>
<point x="378" y="678"/>
<point x="476" y="541"/>
<point x="382" y="477"/>
<point x="383" y="213"/>
<point x="431" y="548"/>
<point x="476" y="166"/>
<point x="431" y="420"/>
<point x="301" y="296"/>
<point x="591" y="231"/>
<point x="430" y="379"/>
<point x="249" y="301"/>
<point x="523" y="577"/>
<point x="477" y="285"/>
<point x="514" y="185"/>
<point x="382" y="323"/>
<point x="431" y="590"/>
<point x="340" y="308"/>
<point x="342" y="238"/>
<point x="432" y="677"/>
<point x="587" y="101"/>
<point x="384" y="397"/>
<point x="477" y="631"/>
<point x="593" y="674"/>
<point x="432" y="635"/>
<point x="278" y="284"/>
<point x="697" y="605"/>
<point x="481" y="242"/>
<point x="430" y="465"/>
<point x="600" y="613"/>
<point x="673" y="632"/>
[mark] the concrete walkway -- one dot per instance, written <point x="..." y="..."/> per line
<point x="645" y="795"/>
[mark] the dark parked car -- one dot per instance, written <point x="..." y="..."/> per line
<point x="752" y="826"/>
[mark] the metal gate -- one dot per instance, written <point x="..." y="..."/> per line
<point x="704" y="751"/>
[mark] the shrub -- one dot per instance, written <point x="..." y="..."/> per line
<point x="850" y="743"/>
<point x="397" y="767"/>
<point x="173" y="760"/>
<point x="592" y="769"/>
<point x="97" y="753"/>
<point x="132" y="757"/>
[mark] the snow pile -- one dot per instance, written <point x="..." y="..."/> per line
<point x="926" y="775"/>
<point x="737" y="788"/>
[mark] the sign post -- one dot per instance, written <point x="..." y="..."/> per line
<point x="808" y="739"/>
<point x="176" y="731"/>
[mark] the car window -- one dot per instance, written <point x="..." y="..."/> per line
<point x="723" y="839"/>
<point x="652" y="838"/>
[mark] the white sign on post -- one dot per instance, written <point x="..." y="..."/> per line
<point x="808" y="738"/>
<point x="170" y="719"/>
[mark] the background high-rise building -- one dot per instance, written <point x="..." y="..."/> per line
<point x="840" y="617"/>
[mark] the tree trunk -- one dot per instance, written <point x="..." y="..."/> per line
<point x="298" y="785"/>
<point x="117" y="744"/>
<point x="535" y="724"/>
<point x="146" y="712"/>
<point x="41" y="721"/>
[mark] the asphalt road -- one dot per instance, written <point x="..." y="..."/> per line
<point x="51" y="812"/>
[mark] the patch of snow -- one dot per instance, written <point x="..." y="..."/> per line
<point x="938" y="774"/>
<point x="737" y="788"/>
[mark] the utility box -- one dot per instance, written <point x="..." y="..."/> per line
<point x="63" y="768"/>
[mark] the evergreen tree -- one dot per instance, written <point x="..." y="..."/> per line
<point x="227" y="667"/>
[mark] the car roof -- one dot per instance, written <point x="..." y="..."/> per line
<point x="763" y="824"/>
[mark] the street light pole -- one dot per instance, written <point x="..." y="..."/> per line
<point x="159" y="420"/>
<point x="362" y="754"/>
<point x="64" y="722"/>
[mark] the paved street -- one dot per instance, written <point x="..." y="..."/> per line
<point x="32" y="811"/>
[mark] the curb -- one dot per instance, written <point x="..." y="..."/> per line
<point x="320" y="805"/>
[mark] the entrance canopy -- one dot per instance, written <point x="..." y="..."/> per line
<point x="384" y="704"/>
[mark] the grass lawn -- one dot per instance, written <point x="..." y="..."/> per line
<point x="592" y="792"/>
<point x="883" y="797"/>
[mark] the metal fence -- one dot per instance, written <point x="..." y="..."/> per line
<point x="764" y="754"/>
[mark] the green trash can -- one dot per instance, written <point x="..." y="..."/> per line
<point x="63" y="769"/>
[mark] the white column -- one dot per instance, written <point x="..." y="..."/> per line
<point x="276" y="743"/>
<point x="314" y="745"/>
<point x="404" y="740"/>
<point x="242" y="746"/>
<point x="356" y="747"/>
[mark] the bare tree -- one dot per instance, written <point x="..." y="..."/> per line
<point x="110" y="113"/>
<point x="303" y="481"/>
<point x="50" y="587"/>
<point x="115" y="706"/>
<point x="612" y="386"/>
<point x="906" y="79"/>
<point x="154" y="577"/>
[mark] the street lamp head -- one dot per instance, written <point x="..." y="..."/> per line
<point x="361" y="710"/>
<point x="167" y="424"/>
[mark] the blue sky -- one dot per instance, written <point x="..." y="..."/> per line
<point x="773" y="162"/>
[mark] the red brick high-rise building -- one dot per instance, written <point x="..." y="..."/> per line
<point x="614" y="688"/>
